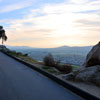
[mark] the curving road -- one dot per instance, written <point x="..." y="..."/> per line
<point x="18" y="82"/>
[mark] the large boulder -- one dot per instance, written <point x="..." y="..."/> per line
<point x="90" y="74"/>
<point x="87" y="75"/>
<point x="93" y="57"/>
<point x="90" y="71"/>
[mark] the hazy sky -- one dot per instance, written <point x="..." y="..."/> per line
<point x="51" y="23"/>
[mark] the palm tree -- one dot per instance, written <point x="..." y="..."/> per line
<point x="2" y="34"/>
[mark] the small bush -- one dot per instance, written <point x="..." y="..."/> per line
<point x="66" y="68"/>
<point x="12" y="52"/>
<point x="49" y="60"/>
<point x="25" y="54"/>
<point x="19" y="53"/>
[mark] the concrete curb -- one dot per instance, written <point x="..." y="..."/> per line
<point x="72" y="88"/>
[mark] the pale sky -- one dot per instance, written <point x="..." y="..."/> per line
<point x="51" y="23"/>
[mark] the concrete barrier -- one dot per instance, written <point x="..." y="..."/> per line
<point x="60" y="81"/>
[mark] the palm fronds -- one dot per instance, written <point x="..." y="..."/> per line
<point x="2" y="34"/>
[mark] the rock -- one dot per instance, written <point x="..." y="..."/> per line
<point x="90" y="71"/>
<point x="69" y="76"/>
<point x="93" y="57"/>
<point x="90" y="74"/>
<point x="87" y="75"/>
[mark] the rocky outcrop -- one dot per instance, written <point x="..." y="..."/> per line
<point x="90" y="71"/>
<point x="90" y="74"/>
<point x="93" y="57"/>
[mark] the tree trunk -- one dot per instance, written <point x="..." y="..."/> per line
<point x="2" y="41"/>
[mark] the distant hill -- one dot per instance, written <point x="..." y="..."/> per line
<point x="74" y="55"/>
<point x="62" y="48"/>
<point x="18" y="47"/>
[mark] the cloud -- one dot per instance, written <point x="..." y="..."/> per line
<point x="57" y="24"/>
<point x="15" y="6"/>
<point x="91" y="23"/>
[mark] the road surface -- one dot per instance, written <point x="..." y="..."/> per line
<point x="18" y="82"/>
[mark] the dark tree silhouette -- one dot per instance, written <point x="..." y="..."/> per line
<point x="2" y="34"/>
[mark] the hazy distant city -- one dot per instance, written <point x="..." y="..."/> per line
<point x="69" y="55"/>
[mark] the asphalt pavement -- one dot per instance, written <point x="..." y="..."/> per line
<point x="18" y="82"/>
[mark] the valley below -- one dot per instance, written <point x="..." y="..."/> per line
<point x="66" y="54"/>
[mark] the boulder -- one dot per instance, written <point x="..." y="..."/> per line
<point x="93" y="57"/>
<point x="90" y="71"/>
<point x="69" y="76"/>
<point x="90" y="74"/>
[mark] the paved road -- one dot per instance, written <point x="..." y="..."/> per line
<point x="18" y="82"/>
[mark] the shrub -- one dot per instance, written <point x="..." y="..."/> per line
<point x="19" y="53"/>
<point x="12" y="52"/>
<point x="49" y="60"/>
<point x="25" y="54"/>
<point x="66" y="68"/>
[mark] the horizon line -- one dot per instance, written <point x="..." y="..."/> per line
<point x="50" y="47"/>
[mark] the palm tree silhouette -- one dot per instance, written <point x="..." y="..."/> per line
<point x="2" y="34"/>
